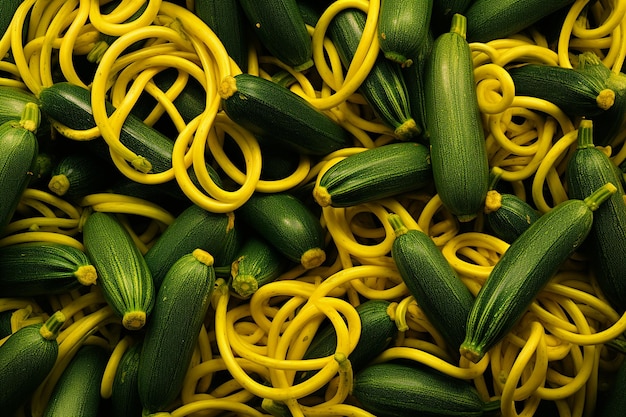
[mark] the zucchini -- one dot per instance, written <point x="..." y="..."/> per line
<point x="194" y="228"/>
<point x="42" y="268"/>
<point x="508" y="215"/>
<point x="280" y="28"/>
<point x="613" y="402"/>
<point x="256" y="264"/>
<point x="278" y="114"/>
<point x="12" y="103"/>
<point x="26" y="359"/>
<point x="182" y="303"/>
<point x="587" y="169"/>
<point x="5" y="323"/>
<point x="457" y="141"/>
<point x="525" y="268"/>
<point x="391" y="389"/>
<point x="488" y="20"/>
<point x="373" y="174"/>
<point x="384" y="88"/>
<point x="287" y="224"/>
<point x="125" y="401"/>
<point x="76" y="175"/>
<point x="18" y="154"/>
<point x="77" y="392"/>
<point x="436" y="287"/>
<point x="402" y="29"/>
<point x="7" y="11"/>
<point x="226" y="19"/>
<point x="123" y="274"/>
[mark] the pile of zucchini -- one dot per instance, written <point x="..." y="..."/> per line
<point x="145" y="261"/>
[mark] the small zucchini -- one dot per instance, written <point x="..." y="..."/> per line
<point x="125" y="401"/>
<point x="77" y="174"/>
<point x="525" y="268"/>
<point x="391" y="389"/>
<point x="26" y="359"/>
<point x="436" y="287"/>
<point x="508" y="215"/>
<point x="77" y="392"/>
<point x="278" y="114"/>
<point x="288" y="224"/>
<point x="373" y="174"/>
<point x="42" y="268"/>
<point x="123" y="274"/>
<point x="587" y="169"/>
<point x="182" y="303"/>
<point x="454" y="124"/>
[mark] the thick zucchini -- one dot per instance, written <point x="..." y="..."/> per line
<point x="18" y="154"/>
<point x="77" y="174"/>
<point x="525" y="268"/>
<point x="587" y="169"/>
<point x="384" y="88"/>
<point x="436" y="287"/>
<point x="125" y="401"/>
<point x="42" y="268"/>
<point x="279" y="26"/>
<point x="77" y="392"/>
<point x="508" y="215"/>
<point x="402" y="29"/>
<point x="182" y="303"/>
<point x="194" y="228"/>
<point x="288" y="224"/>
<point x="453" y="121"/>
<point x="123" y="274"/>
<point x="392" y="389"/>
<point x="26" y="359"/>
<point x="375" y="173"/>
<point x="277" y="114"/>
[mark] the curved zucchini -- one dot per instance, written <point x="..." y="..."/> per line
<point x="587" y="169"/>
<point x="525" y="268"/>
<point x="373" y="174"/>
<point x="41" y="268"/>
<point x="453" y="121"/>
<point x="428" y="275"/>
<point x="182" y="303"/>
<point x="508" y="215"/>
<point x="123" y="274"/>
<point x="278" y="114"/>
<point x="287" y="224"/>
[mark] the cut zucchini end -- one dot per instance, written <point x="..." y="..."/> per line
<point x="59" y="184"/>
<point x="313" y="258"/>
<point x="86" y="275"/>
<point x="134" y="320"/>
<point x="471" y="353"/>
<point x="408" y="130"/>
<point x="245" y="285"/>
<point x="322" y="196"/>
<point x="493" y="201"/>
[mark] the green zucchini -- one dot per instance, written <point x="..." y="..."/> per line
<point x="525" y="268"/>
<point x="384" y="88"/>
<point x="77" y="392"/>
<point x="5" y="323"/>
<point x="125" y="401"/>
<point x="587" y="169"/>
<point x="42" y="268"/>
<point x="123" y="274"/>
<point x="26" y="359"/>
<point x="373" y="174"/>
<point x="12" y="103"/>
<point x="278" y="114"/>
<point x="7" y="11"/>
<point x="436" y="287"/>
<point x="194" y="227"/>
<point x="182" y="303"/>
<point x="402" y="29"/>
<point x="613" y="402"/>
<point x="488" y="20"/>
<point x="280" y="28"/>
<point x="288" y="224"/>
<point x="18" y="154"/>
<point x="226" y="19"/>
<point x="508" y="215"/>
<point x="391" y="389"/>
<point x="256" y="264"/>
<point x="77" y="174"/>
<point x="454" y="124"/>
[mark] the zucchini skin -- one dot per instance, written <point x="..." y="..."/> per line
<point x="587" y="169"/>
<point x="41" y="268"/>
<point x="7" y="11"/>
<point x="453" y="121"/>
<point x="194" y="228"/>
<point x="182" y="303"/>
<point x="76" y="175"/>
<point x="77" y="392"/>
<point x="26" y="359"/>
<point x="279" y="115"/>
<point x="428" y="275"/>
<point x="375" y="173"/>
<point x="123" y="274"/>
<point x="14" y="99"/>
<point x="391" y="389"/>
<point x="125" y="401"/>
<point x="508" y="216"/>
<point x="288" y="224"/>
<point x="279" y="26"/>
<point x="525" y="268"/>
<point x="614" y="402"/>
<point x="384" y="88"/>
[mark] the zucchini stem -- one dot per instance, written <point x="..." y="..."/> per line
<point x="600" y="195"/>
<point x="51" y="328"/>
<point x="459" y="25"/>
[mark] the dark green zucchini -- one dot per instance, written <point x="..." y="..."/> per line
<point x="125" y="401"/>
<point x="12" y="103"/>
<point x="76" y="175"/>
<point x="508" y="215"/>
